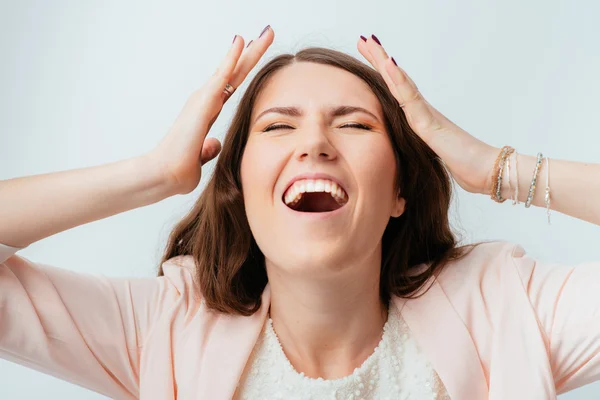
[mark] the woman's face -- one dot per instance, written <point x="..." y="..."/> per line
<point x="319" y="131"/>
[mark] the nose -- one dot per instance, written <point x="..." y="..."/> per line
<point x="314" y="144"/>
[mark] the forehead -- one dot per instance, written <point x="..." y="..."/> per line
<point x="310" y="85"/>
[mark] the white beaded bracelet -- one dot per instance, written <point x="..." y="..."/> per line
<point x="547" y="195"/>
<point x="516" y="198"/>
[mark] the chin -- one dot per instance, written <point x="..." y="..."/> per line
<point x="307" y="259"/>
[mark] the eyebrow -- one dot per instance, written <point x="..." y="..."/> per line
<point x="334" y="112"/>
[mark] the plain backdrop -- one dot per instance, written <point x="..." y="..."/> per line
<point x="85" y="83"/>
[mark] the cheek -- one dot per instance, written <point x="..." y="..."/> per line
<point x="259" y="168"/>
<point x="374" y="168"/>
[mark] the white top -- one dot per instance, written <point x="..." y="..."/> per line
<point x="395" y="370"/>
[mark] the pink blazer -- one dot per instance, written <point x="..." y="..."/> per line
<point x="495" y="325"/>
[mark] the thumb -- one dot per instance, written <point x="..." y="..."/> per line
<point x="210" y="149"/>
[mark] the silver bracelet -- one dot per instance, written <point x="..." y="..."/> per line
<point x="516" y="199"/>
<point x="547" y="195"/>
<point x="540" y="158"/>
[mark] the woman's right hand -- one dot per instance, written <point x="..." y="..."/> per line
<point x="183" y="151"/>
<point x="93" y="193"/>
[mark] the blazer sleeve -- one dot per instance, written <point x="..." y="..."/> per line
<point x="84" y="329"/>
<point x="566" y="300"/>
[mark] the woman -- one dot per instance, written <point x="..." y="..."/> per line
<point x="318" y="262"/>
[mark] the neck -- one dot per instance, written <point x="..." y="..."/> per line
<point x="328" y="327"/>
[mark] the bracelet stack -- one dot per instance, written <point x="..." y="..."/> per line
<point x="503" y="164"/>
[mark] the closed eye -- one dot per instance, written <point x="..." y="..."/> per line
<point x="350" y="125"/>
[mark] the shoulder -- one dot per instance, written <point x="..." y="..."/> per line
<point x="180" y="273"/>
<point x="491" y="252"/>
<point x="485" y="258"/>
<point x="486" y="270"/>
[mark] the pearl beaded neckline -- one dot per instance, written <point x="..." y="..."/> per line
<point x="363" y="375"/>
<point x="395" y="370"/>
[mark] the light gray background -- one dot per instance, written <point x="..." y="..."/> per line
<point x="86" y="83"/>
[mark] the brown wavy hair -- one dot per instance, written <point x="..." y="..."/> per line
<point x="230" y="268"/>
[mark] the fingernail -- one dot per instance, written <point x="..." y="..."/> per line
<point x="394" y="61"/>
<point x="235" y="37"/>
<point x="264" y="30"/>
<point x="248" y="45"/>
<point x="363" y="38"/>
<point x="375" y="39"/>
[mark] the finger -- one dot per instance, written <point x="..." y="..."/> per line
<point x="378" y="56"/>
<point x="373" y="51"/>
<point x="362" y="48"/>
<point x="406" y="76"/>
<point x="225" y="70"/>
<point x="409" y="96"/>
<point x="210" y="149"/>
<point x="401" y="85"/>
<point x="252" y="54"/>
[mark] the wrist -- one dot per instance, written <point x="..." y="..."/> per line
<point x="158" y="184"/>
<point x="509" y="186"/>
<point x="490" y="159"/>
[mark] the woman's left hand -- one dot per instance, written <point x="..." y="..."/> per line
<point x="469" y="160"/>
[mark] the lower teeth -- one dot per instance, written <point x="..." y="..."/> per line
<point x="338" y="200"/>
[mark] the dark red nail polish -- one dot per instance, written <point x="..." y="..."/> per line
<point x="375" y="39"/>
<point x="394" y="61"/>
<point x="250" y="42"/>
<point x="264" y="30"/>
<point x="363" y="38"/>
<point x="235" y="37"/>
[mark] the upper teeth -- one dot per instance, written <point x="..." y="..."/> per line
<point x="298" y="188"/>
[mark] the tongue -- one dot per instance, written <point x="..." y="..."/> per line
<point x="317" y="202"/>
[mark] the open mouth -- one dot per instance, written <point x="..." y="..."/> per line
<point x="320" y="195"/>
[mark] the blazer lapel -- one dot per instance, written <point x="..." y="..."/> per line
<point x="435" y="324"/>
<point x="446" y="342"/>
<point x="228" y="349"/>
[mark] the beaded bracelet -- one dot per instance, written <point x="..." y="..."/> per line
<point x="516" y="192"/>
<point x="508" y="176"/>
<point x="496" y="193"/>
<point x="538" y="164"/>
<point x="547" y="195"/>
